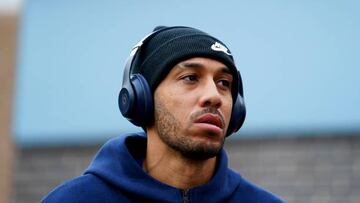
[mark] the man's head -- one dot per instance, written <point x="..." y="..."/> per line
<point x="193" y="106"/>
<point x="154" y="62"/>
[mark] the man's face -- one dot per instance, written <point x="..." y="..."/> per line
<point x="193" y="106"/>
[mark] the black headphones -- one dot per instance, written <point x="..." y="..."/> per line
<point x="136" y="99"/>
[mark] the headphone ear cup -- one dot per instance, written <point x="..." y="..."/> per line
<point x="237" y="116"/>
<point x="126" y="101"/>
<point x="141" y="111"/>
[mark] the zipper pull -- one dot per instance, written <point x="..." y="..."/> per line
<point x="185" y="194"/>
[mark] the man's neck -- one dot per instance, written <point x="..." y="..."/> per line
<point x="170" y="167"/>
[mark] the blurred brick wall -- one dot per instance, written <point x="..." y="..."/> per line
<point x="311" y="170"/>
<point x="8" y="29"/>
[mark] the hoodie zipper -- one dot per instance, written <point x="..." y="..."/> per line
<point x="185" y="194"/>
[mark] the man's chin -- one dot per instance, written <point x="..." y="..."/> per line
<point x="208" y="139"/>
<point x="200" y="155"/>
<point x="203" y="149"/>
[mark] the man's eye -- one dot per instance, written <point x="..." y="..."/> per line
<point x="190" y="78"/>
<point x="225" y="83"/>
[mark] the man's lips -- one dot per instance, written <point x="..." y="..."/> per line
<point x="212" y="119"/>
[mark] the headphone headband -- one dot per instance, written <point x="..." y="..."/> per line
<point x="136" y="49"/>
<point x="130" y="59"/>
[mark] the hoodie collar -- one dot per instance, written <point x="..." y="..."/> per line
<point x="117" y="164"/>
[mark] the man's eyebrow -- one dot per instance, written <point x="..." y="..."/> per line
<point x="190" y="65"/>
<point x="224" y="69"/>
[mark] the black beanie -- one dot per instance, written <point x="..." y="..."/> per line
<point x="171" y="45"/>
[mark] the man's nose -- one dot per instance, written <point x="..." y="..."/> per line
<point x="210" y="96"/>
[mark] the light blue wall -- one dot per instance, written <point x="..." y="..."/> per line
<point x="299" y="61"/>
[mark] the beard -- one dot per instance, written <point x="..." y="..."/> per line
<point x="169" y="129"/>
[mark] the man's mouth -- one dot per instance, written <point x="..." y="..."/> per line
<point x="211" y="119"/>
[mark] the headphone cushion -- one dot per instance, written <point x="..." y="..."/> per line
<point x="142" y="111"/>
<point x="237" y="116"/>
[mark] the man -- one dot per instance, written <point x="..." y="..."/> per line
<point x="182" y="87"/>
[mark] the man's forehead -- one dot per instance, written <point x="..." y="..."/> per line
<point x="200" y="62"/>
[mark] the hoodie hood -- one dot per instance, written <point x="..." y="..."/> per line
<point x="118" y="164"/>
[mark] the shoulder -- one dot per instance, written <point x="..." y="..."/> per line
<point x="86" y="188"/>
<point x="247" y="191"/>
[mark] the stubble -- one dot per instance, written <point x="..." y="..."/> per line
<point x="171" y="132"/>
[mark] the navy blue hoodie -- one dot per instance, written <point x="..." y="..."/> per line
<point x="116" y="175"/>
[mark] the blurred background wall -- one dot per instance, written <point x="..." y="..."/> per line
<point x="299" y="62"/>
<point x="8" y="35"/>
<point x="7" y="41"/>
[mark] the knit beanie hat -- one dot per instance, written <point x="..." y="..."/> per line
<point x="171" y="45"/>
